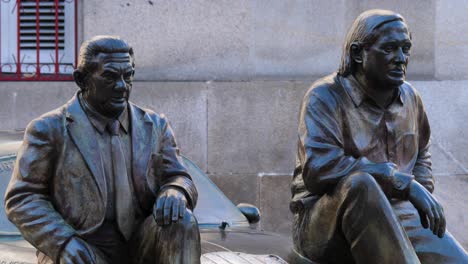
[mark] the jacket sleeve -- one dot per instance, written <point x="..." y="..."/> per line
<point x="172" y="169"/>
<point x="321" y="146"/>
<point x="27" y="202"/>
<point x="422" y="170"/>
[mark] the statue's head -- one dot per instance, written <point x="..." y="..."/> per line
<point x="377" y="46"/>
<point x="105" y="73"/>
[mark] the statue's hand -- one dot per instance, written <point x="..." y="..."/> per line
<point x="430" y="211"/>
<point x="383" y="172"/>
<point x="77" y="251"/>
<point x="170" y="206"/>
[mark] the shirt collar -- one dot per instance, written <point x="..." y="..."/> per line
<point x="100" y="121"/>
<point x="358" y="94"/>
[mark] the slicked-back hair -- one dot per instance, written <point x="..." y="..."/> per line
<point x="101" y="44"/>
<point x="363" y="33"/>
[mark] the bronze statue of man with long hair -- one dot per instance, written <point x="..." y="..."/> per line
<point x="362" y="187"/>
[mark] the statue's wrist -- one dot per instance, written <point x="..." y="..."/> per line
<point x="401" y="185"/>
<point x="63" y="248"/>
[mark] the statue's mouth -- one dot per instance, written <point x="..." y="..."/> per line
<point x="118" y="99"/>
<point x="397" y="72"/>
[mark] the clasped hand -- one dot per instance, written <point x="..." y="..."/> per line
<point x="430" y="211"/>
<point x="170" y="206"/>
<point x="77" y="251"/>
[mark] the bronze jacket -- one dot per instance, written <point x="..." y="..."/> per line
<point x="341" y="129"/>
<point x="58" y="188"/>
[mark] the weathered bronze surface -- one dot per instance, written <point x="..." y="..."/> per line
<point x="363" y="180"/>
<point x="99" y="179"/>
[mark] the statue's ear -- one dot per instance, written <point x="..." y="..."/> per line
<point x="79" y="78"/>
<point x="356" y="52"/>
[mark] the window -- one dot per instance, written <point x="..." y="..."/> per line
<point x="37" y="39"/>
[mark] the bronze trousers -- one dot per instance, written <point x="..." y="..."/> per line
<point x="356" y="223"/>
<point x="178" y="243"/>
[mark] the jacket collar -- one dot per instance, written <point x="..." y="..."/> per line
<point x="84" y="135"/>
<point x="357" y="93"/>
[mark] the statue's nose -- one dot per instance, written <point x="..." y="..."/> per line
<point x="120" y="85"/>
<point x="400" y="56"/>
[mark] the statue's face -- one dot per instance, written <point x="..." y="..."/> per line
<point x="385" y="61"/>
<point x="109" y="86"/>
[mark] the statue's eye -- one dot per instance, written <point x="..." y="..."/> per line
<point x="128" y="76"/>
<point x="406" y="48"/>
<point x="109" y="76"/>
<point x="389" y="48"/>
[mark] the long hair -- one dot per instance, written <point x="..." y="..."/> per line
<point x="362" y="33"/>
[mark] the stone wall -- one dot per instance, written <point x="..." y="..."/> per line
<point x="270" y="39"/>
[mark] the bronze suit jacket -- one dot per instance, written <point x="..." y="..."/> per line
<point x="58" y="187"/>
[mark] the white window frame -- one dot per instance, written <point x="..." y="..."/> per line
<point x="9" y="27"/>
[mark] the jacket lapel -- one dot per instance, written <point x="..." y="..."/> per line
<point x="83" y="135"/>
<point x="142" y="142"/>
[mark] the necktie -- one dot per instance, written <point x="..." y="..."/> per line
<point x="125" y="213"/>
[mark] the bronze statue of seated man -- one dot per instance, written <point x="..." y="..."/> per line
<point x="363" y="181"/>
<point x="100" y="179"/>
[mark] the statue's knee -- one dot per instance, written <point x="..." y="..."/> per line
<point x="189" y="221"/>
<point x="363" y="191"/>
<point x="190" y="216"/>
<point x="362" y="182"/>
